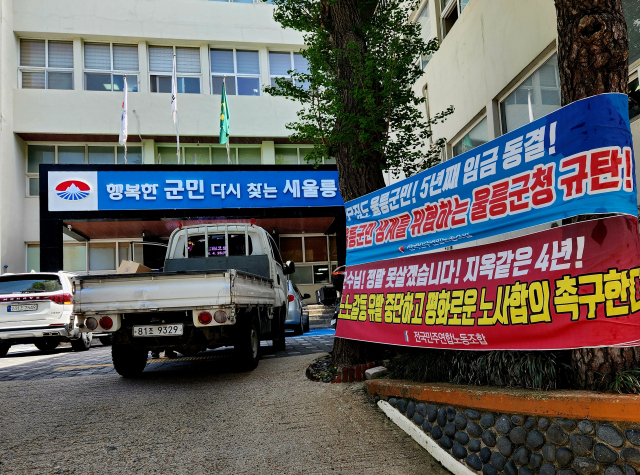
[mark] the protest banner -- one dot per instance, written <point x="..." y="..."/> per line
<point x="566" y="287"/>
<point x="576" y="160"/>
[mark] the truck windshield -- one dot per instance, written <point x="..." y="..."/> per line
<point x="216" y="245"/>
<point x="28" y="284"/>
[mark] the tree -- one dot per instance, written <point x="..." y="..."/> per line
<point x="357" y="99"/>
<point x="593" y="53"/>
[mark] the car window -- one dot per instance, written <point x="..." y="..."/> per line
<point x="216" y="245"/>
<point x="27" y="284"/>
<point x="295" y="287"/>
<point x="274" y="250"/>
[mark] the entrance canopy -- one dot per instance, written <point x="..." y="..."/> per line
<point x="150" y="201"/>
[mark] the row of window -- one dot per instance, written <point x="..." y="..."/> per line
<point x="90" y="256"/>
<point x="317" y="256"/>
<point x="48" y="64"/>
<point x="542" y="90"/>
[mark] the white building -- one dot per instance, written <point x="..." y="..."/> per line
<point x="492" y="53"/>
<point x="62" y="64"/>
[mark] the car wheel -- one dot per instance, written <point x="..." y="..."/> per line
<point x="247" y="344"/>
<point x="128" y="361"/>
<point x="4" y="349"/>
<point x="47" y="345"/>
<point x="279" y="343"/>
<point x="299" y="330"/>
<point x="306" y="326"/>
<point x="83" y="343"/>
<point x="106" y="340"/>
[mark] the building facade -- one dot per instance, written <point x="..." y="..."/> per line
<point x="495" y="57"/>
<point x="62" y="69"/>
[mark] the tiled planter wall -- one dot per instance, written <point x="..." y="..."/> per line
<point x="518" y="444"/>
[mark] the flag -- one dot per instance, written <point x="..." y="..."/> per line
<point x="124" y="123"/>
<point x="224" y="116"/>
<point x="174" y="92"/>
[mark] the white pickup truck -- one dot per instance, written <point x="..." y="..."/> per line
<point x="222" y="285"/>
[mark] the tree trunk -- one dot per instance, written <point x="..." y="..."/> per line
<point x="593" y="53"/>
<point x="342" y="19"/>
<point x="593" y="48"/>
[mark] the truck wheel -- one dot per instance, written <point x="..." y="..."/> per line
<point x="47" y="345"/>
<point x="4" y="349"/>
<point x="279" y="343"/>
<point x="247" y="344"/>
<point x="128" y="362"/>
<point x="83" y="343"/>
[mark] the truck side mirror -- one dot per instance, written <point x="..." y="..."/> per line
<point x="289" y="268"/>
<point x="306" y="296"/>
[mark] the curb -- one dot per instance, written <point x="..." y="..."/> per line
<point x="352" y="374"/>
<point x="570" y="404"/>
<point x="438" y="453"/>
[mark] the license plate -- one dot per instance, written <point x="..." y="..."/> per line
<point x="169" y="329"/>
<point x="22" y="308"/>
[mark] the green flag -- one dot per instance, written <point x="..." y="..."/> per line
<point x="224" y="116"/>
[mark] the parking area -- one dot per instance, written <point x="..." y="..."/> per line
<point x="26" y="362"/>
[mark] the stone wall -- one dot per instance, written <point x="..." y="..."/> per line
<point x="495" y="443"/>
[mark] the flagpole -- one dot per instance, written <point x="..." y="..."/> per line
<point x="224" y="80"/>
<point x="174" y="105"/>
<point x="124" y="120"/>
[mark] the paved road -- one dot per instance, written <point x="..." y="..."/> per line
<point x="192" y="417"/>
<point x="26" y="362"/>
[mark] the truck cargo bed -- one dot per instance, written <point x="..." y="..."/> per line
<point x="131" y="293"/>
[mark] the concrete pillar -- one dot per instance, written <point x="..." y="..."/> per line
<point x="143" y="62"/>
<point x="148" y="152"/>
<point x="493" y="120"/>
<point x="264" y="68"/>
<point x="78" y="65"/>
<point x="268" y="153"/>
<point x="206" y="69"/>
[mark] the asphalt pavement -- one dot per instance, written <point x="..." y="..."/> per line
<point x="71" y="413"/>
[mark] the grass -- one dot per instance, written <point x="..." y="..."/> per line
<point x="513" y="369"/>
<point x="624" y="382"/>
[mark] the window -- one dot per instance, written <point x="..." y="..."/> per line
<point x="74" y="257"/>
<point x="281" y="63"/>
<point x="542" y="88"/>
<point x="105" y="66"/>
<point x="475" y="137"/>
<point x="46" y="64"/>
<point x="74" y="155"/>
<point x="315" y="255"/>
<point x="187" y="69"/>
<point x="293" y="155"/>
<point x="33" y="257"/>
<point x="291" y="248"/>
<point x="631" y="10"/>
<point x="240" y="68"/>
<point x="217" y="247"/>
<point x="634" y="99"/>
<point x="451" y="11"/>
<point x="424" y="19"/>
<point x="315" y="249"/>
<point x="207" y="154"/>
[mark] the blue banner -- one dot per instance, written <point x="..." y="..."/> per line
<point x="119" y="190"/>
<point x="576" y="160"/>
